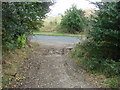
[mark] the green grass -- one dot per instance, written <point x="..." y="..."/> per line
<point x="113" y="82"/>
<point x="58" y="34"/>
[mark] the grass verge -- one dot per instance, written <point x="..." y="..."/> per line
<point x="12" y="61"/>
<point x="58" y="34"/>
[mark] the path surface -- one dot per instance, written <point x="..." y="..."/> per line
<point x="49" y="66"/>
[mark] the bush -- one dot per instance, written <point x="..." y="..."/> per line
<point x="100" y="52"/>
<point x="19" y="19"/>
<point x="73" y="21"/>
<point x="91" y="57"/>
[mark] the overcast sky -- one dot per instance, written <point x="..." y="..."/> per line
<point x="61" y="5"/>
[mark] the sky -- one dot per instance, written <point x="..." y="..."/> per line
<point x="61" y="5"/>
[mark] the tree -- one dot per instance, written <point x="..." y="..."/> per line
<point x="105" y="30"/>
<point x="100" y="52"/>
<point x="19" y="20"/>
<point x="73" y="21"/>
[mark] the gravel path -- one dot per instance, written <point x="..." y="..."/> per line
<point x="49" y="66"/>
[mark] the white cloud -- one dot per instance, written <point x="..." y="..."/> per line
<point x="61" y="5"/>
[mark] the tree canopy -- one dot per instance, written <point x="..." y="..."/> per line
<point x="73" y="21"/>
<point x="18" y="20"/>
<point x="100" y="52"/>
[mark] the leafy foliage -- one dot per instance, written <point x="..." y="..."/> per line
<point x="21" y="41"/>
<point x="19" y="20"/>
<point x="100" y="52"/>
<point x="106" y="30"/>
<point x="73" y="21"/>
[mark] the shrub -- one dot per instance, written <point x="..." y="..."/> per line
<point x="73" y="21"/>
<point x="91" y="56"/>
<point x="19" y="19"/>
<point x="106" y="30"/>
<point x="100" y="52"/>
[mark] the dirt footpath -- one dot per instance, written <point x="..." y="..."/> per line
<point x="49" y="66"/>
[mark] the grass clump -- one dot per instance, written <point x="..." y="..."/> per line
<point x="113" y="82"/>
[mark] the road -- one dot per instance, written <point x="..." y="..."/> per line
<point x="56" y="39"/>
